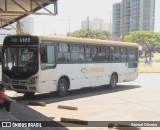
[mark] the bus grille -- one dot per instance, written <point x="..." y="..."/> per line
<point x="18" y="87"/>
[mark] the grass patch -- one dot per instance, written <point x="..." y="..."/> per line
<point x="149" y="69"/>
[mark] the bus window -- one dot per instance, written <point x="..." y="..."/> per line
<point x="48" y="57"/>
<point x="123" y="54"/>
<point x="21" y="60"/>
<point x="63" y="52"/>
<point x="132" y="54"/>
<point x="115" y="53"/>
<point x="77" y="53"/>
<point x="91" y="53"/>
<point x="103" y="53"/>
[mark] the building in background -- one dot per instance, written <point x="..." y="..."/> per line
<point x="42" y="25"/>
<point x="107" y="26"/>
<point x="133" y="15"/>
<point x="84" y="24"/>
<point x="9" y="30"/>
<point x="4" y="33"/>
<point x="27" y="25"/>
<point x="116" y="21"/>
<point x="96" y="24"/>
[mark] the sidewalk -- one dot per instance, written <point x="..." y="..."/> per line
<point x="5" y="116"/>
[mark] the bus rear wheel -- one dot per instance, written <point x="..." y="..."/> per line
<point x="113" y="81"/>
<point x="62" y="87"/>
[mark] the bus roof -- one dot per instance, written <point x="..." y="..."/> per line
<point x="80" y="40"/>
<point x="89" y="41"/>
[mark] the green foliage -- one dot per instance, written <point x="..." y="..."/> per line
<point x="143" y="37"/>
<point x="148" y="38"/>
<point x="93" y="34"/>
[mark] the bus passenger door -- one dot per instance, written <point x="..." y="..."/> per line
<point x="132" y="63"/>
<point x="47" y="66"/>
<point x="94" y="70"/>
<point x="124" y="65"/>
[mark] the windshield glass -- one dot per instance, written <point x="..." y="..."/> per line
<point x="20" y="62"/>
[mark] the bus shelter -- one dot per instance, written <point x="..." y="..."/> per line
<point x="13" y="10"/>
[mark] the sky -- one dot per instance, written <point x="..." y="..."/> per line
<point x="80" y="9"/>
<point x="72" y="12"/>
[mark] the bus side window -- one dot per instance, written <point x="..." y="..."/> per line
<point x="103" y="53"/>
<point x="77" y="53"/>
<point x="92" y="53"/>
<point x="63" y="52"/>
<point x="123" y="54"/>
<point x="47" y="57"/>
<point x="115" y="54"/>
<point x="132" y="54"/>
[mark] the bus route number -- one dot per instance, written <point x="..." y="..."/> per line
<point x="24" y="40"/>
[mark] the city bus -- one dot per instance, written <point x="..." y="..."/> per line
<point x="42" y="64"/>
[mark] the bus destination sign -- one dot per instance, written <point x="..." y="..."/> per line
<point x="21" y="40"/>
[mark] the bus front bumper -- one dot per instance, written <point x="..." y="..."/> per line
<point x="20" y="88"/>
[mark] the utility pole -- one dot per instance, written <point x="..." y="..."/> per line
<point x="88" y="26"/>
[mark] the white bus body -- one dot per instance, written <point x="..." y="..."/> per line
<point x="54" y="74"/>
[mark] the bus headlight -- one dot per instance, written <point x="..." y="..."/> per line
<point x="33" y="80"/>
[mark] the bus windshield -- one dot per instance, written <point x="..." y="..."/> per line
<point x="20" y="62"/>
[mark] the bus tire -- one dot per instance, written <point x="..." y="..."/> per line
<point x="113" y="81"/>
<point x="63" y="86"/>
<point x="28" y="94"/>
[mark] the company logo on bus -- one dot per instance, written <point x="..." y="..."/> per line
<point x="92" y="70"/>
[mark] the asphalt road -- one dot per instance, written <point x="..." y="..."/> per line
<point x="136" y="100"/>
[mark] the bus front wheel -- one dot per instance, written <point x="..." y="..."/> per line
<point x="113" y="81"/>
<point x="62" y="87"/>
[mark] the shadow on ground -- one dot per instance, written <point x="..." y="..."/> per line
<point x="24" y="113"/>
<point x="75" y="94"/>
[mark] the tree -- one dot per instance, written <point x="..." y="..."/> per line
<point x="93" y="34"/>
<point x="107" y="34"/>
<point x="147" y="38"/>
